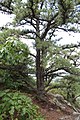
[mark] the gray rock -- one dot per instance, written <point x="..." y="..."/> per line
<point x="76" y="113"/>
<point x="75" y="116"/>
<point x="59" y="97"/>
<point x="66" y="118"/>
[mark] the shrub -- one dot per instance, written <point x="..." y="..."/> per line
<point x="17" y="106"/>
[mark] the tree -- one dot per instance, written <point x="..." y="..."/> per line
<point x="42" y="18"/>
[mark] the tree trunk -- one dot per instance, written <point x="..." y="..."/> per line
<point x="39" y="74"/>
<point x="39" y="66"/>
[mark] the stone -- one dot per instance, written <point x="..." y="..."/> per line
<point x="66" y="118"/>
<point x="59" y="97"/>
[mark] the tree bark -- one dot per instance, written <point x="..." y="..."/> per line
<point x="39" y="67"/>
<point x="39" y="74"/>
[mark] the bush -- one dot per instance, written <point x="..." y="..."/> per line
<point x="17" y="106"/>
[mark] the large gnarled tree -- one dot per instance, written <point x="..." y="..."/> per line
<point x="40" y="19"/>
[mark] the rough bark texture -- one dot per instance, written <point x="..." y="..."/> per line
<point x="39" y="67"/>
<point x="39" y="74"/>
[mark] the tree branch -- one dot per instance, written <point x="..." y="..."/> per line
<point x="67" y="69"/>
<point x="46" y="30"/>
<point x="28" y="83"/>
<point x="32" y="55"/>
<point x="6" y="6"/>
<point x="68" y="46"/>
<point x="13" y="67"/>
<point x="23" y="32"/>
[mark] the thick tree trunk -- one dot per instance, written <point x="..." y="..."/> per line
<point x="39" y="74"/>
<point x="39" y="67"/>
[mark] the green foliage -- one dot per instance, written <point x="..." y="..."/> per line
<point x="9" y="82"/>
<point x="66" y="8"/>
<point x="17" y="106"/>
<point x="69" y="88"/>
<point x="23" y="10"/>
<point x="59" y="90"/>
<point x="7" y="32"/>
<point x="14" y="52"/>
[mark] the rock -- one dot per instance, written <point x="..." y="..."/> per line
<point x="66" y="118"/>
<point x="51" y="109"/>
<point x="74" y="116"/>
<point x="78" y="118"/>
<point x="76" y="113"/>
<point x="59" y="97"/>
<point x="59" y="104"/>
<point x="62" y="104"/>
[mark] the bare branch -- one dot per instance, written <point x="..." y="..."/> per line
<point x="24" y="32"/>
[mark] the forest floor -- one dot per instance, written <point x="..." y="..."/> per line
<point x="53" y="112"/>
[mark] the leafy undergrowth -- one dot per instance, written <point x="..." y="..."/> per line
<point x="17" y="106"/>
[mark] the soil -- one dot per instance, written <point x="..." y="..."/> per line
<point x="52" y="112"/>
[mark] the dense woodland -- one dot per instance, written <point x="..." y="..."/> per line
<point x="54" y="68"/>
